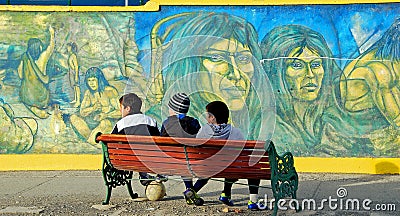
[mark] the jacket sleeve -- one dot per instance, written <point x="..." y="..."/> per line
<point x="196" y="125"/>
<point x="115" y="130"/>
<point x="163" y="132"/>
<point x="153" y="131"/>
<point x="203" y="132"/>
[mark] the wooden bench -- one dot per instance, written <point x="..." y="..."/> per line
<point x="198" y="158"/>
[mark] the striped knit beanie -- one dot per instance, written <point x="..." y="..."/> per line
<point x="179" y="103"/>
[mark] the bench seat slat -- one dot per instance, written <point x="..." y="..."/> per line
<point x="170" y="170"/>
<point x="235" y="175"/>
<point x="264" y="174"/>
<point x="107" y="138"/>
<point x="204" y="172"/>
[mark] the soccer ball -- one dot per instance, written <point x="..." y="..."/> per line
<point x="155" y="191"/>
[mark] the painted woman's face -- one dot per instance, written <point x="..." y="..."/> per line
<point x="304" y="74"/>
<point x="230" y="69"/>
<point x="93" y="83"/>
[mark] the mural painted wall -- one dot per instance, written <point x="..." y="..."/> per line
<point x="319" y="80"/>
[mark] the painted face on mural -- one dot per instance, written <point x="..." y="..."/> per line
<point x="230" y="69"/>
<point x="304" y="74"/>
<point x="93" y="83"/>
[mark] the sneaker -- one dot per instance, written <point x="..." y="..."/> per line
<point x="146" y="179"/>
<point x="191" y="197"/>
<point x="226" y="199"/>
<point x="255" y="206"/>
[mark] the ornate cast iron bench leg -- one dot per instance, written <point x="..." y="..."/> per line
<point x="107" y="181"/>
<point x="113" y="178"/>
<point x="284" y="178"/>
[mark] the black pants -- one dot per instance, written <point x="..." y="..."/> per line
<point x="252" y="183"/>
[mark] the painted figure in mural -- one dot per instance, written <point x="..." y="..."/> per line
<point x="73" y="64"/>
<point x="299" y="64"/>
<point x="372" y="81"/>
<point x="214" y="56"/>
<point x="8" y="68"/>
<point x="133" y="69"/>
<point x="16" y="133"/>
<point x="99" y="108"/>
<point x="34" y="92"/>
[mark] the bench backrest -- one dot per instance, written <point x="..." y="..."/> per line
<point x="190" y="157"/>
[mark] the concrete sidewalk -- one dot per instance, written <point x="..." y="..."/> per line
<point x="81" y="193"/>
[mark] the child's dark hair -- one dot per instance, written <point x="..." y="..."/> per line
<point x="220" y="111"/>
<point x="133" y="101"/>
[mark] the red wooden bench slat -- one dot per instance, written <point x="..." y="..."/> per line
<point x="179" y="141"/>
<point x="228" y="172"/>
<point x="235" y="175"/>
<point x="234" y="170"/>
<point x="179" y="170"/>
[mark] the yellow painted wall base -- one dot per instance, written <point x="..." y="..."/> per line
<point x="302" y="164"/>
<point x="50" y="162"/>
<point x="348" y="165"/>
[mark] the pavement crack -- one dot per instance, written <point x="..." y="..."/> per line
<point x="50" y="178"/>
<point x="316" y="190"/>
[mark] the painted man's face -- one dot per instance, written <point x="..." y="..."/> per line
<point x="93" y="83"/>
<point x="230" y="69"/>
<point x="304" y="74"/>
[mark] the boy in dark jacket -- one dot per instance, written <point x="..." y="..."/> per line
<point x="178" y="124"/>
<point x="134" y="122"/>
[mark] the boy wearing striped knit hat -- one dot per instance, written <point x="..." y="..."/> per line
<point x="178" y="124"/>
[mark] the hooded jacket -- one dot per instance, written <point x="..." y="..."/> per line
<point x="222" y="131"/>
